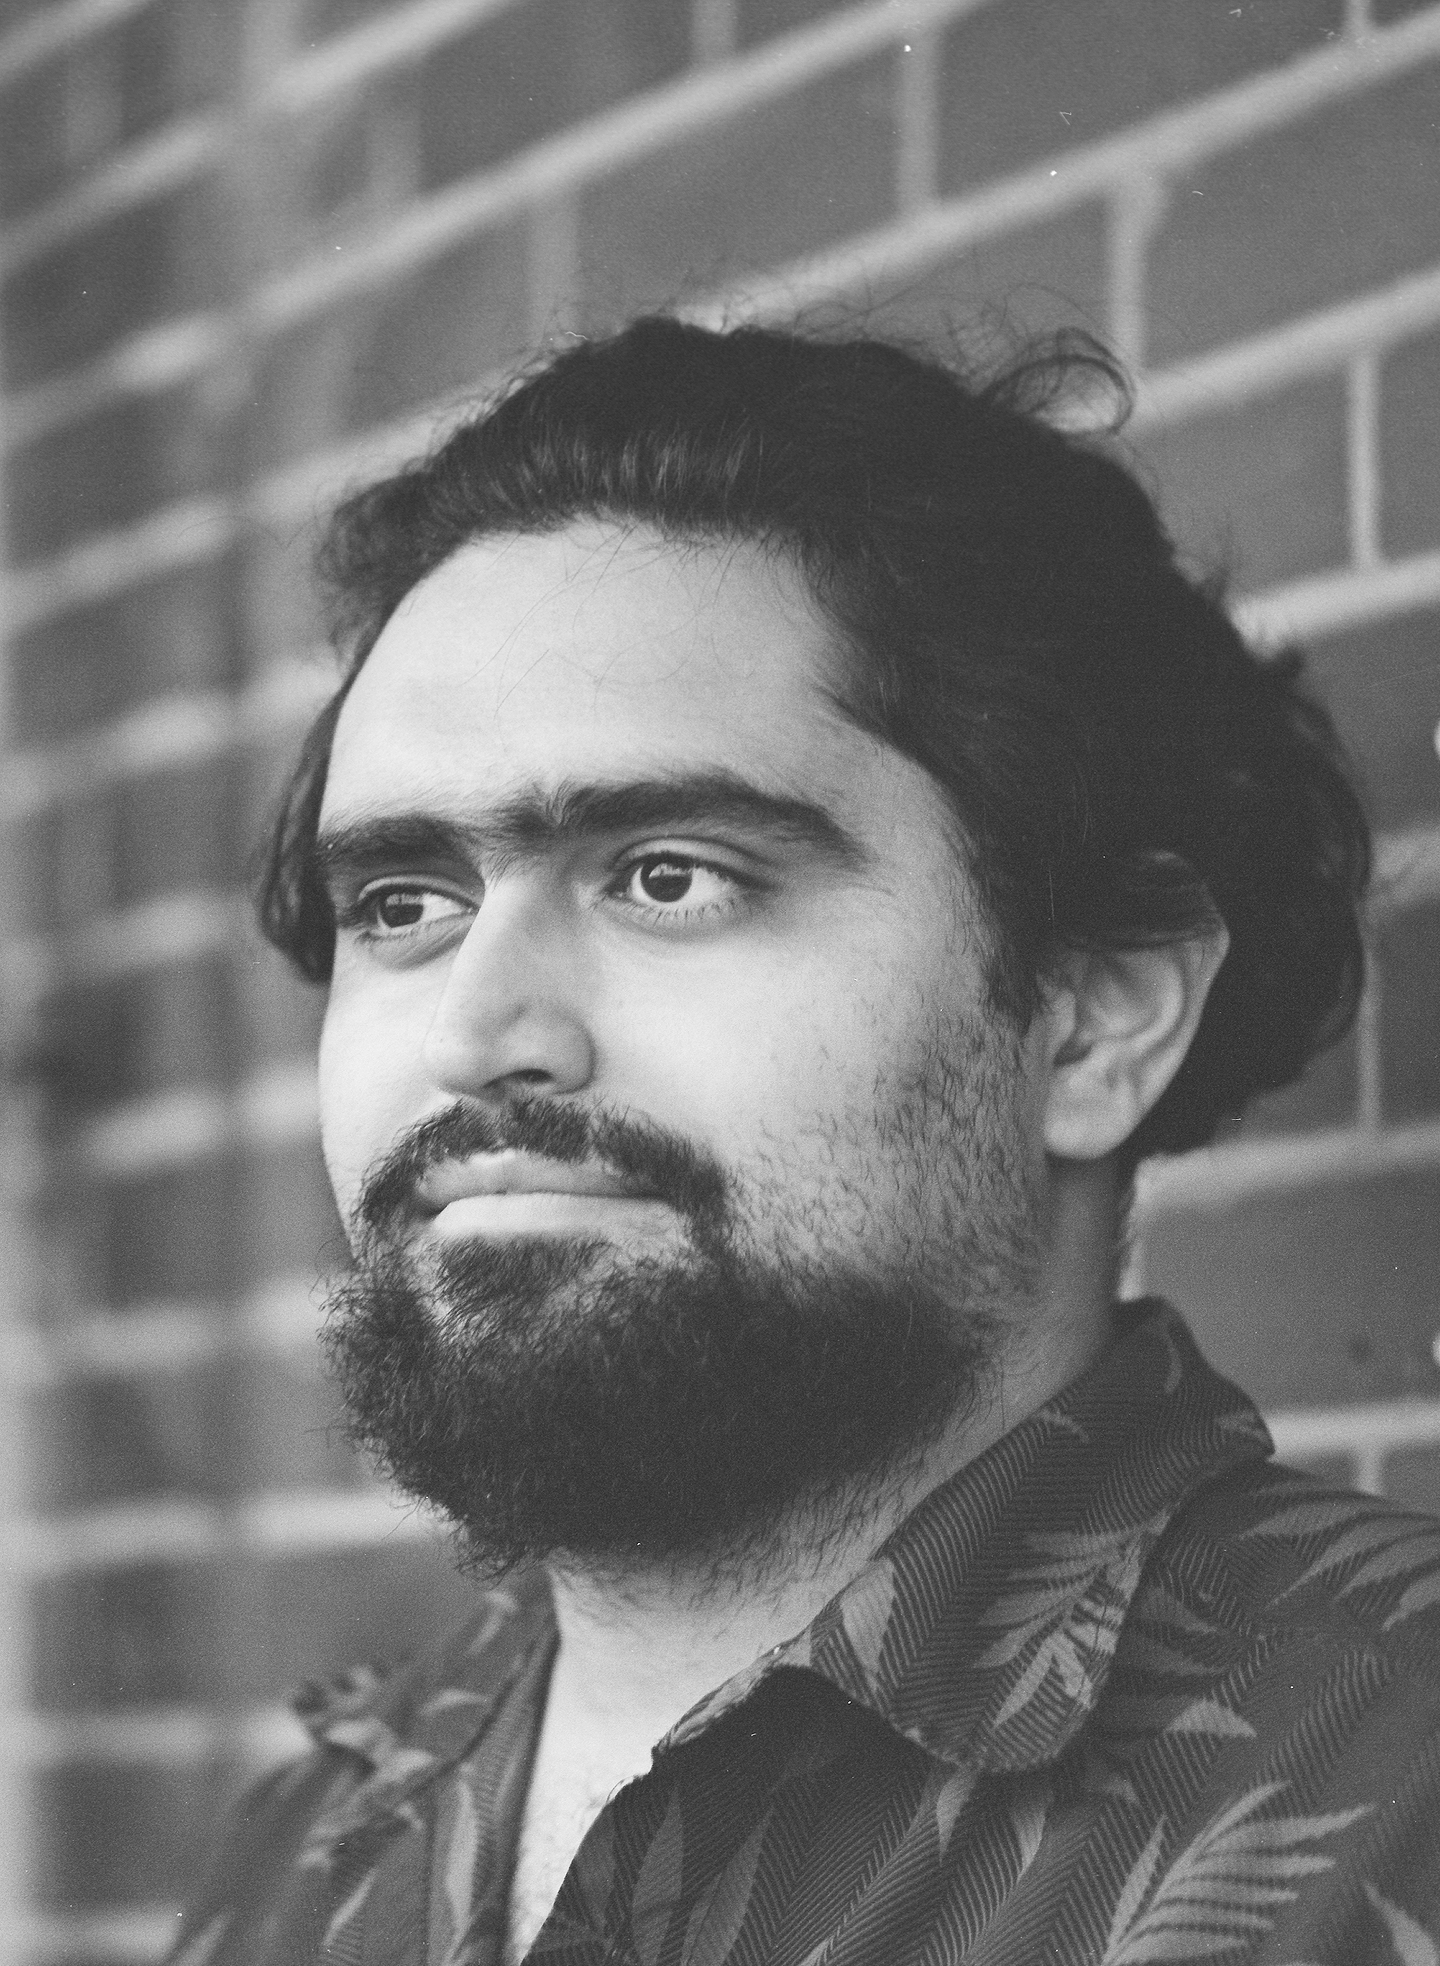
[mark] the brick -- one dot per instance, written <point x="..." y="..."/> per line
<point x="531" y="70"/>
<point x="282" y="610"/>
<point x="127" y="1637"/>
<point x="1409" y="963"/>
<point x="1382" y="685"/>
<point x="125" y="844"/>
<point x="451" y="325"/>
<point x="115" y="1836"/>
<point x="13" y="12"/>
<point x="1410" y="448"/>
<point x="34" y="148"/>
<point x="704" y="210"/>
<point x="109" y="469"/>
<point x="173" y="58"/>
<point x="202" y="1231"/>
<point x="61" y="117"/>
<point x="343" y="164"/>
<point x="278" y="1013"/>
<point x="232" y="1425"/>
<point x="1412" y="1478"/>
<point x="1258" y="489"/>
<point x="757" y="20"/>
<point x="1345" y="200"/>
<point x="175" y="830"/>
<point x="174" y="632"/>
<point x="1029" y="79"/>
<point x="1317" y="1296"/>
<point x="1325" y="1096"/>
<point x="158" y="1030"/>
<point x="154" y="260"/>
<point x="290" y="1227"/>
<point x="1018" y="284"/>
<point x="123" y="1637"/>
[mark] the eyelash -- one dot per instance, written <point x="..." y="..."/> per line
<point x="360" y="915"/>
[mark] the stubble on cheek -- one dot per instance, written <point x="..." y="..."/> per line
<point x="921" y="1170"/>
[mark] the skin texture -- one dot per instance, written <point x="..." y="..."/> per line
<point x="791" y="1014"/>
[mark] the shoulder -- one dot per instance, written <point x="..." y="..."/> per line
<point x="376" y="1734"/>
<point x="368" y="1709"/>
<point x="1286" y="1638"/>
<point x="1272" y="1722"/>
<point x="1265" y="1550"/>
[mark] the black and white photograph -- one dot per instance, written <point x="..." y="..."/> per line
<point x="720" y="983"/>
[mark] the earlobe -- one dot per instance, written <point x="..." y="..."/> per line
<point x="1119" y="1025"/>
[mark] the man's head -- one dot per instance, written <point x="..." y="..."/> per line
<point x="797" y="794"/>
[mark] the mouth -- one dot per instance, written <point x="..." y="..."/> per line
<point x="514" y="1193"/>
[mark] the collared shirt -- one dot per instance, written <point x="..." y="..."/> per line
<point x="1121" y="1690"/>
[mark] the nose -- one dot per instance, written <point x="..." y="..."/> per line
<point x="509" y="1017"/>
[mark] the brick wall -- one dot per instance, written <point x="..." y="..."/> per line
<point x="253" y="247"/>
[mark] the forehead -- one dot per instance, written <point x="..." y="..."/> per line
<point x="594" y="652"/>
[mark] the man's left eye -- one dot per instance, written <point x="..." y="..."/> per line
<point x="674" y="883"/>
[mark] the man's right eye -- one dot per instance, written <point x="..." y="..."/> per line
<point x="395" y="910"/>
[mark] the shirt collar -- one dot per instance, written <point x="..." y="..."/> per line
<point x="983" y="1629"/>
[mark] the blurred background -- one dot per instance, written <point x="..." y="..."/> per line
<point x="251" y="250"/>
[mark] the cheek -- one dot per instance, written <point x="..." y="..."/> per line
<point x="762" y="1057"/>
<point x="369" y="1087"/>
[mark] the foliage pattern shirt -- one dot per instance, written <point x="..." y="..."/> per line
<point x="1120" y="1691"/>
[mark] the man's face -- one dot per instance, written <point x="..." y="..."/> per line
<point x="658" y="1002"/>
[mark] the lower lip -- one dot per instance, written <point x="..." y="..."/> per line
<point x="548" y="1213"/>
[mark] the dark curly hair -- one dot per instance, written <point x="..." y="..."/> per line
<point x="1009" y="613"/>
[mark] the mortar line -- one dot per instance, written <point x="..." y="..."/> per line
<point x="1362" y="457"/>
<point x="58" y="26"/>
<point x="917" y="103"/>
<point x="1133" y="215"/>
<point x="144" y="169"/>
<point x="1218" y="1177"/>
<point x="1168" y="141"/>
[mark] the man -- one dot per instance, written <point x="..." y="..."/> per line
<point x="787" y="842"/>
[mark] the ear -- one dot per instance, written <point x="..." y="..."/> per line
<point x="1118" y="1024"/>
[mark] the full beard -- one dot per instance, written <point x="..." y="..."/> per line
<point x="574" y="1402"/>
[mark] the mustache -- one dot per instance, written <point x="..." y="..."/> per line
<point x="663" y="1163"/>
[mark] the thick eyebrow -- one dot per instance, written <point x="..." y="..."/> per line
<point x="534" y="822"/>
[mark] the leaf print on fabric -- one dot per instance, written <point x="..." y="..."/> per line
<point x="865" y="1612"/>
<point x="1210" y="1717"/>
<point x="1069" y="1565"/>
<point x="592" y="1875"/>
<point x="1226" y="1886"/>
<point x="1412" y="1944"/>
<point x="1420" y="1596"/>
<point x="1054" y="1420"/>
<point x="1384" y="1547"/>
<point x="1029" y="1807"/>
<point x="950" y="1805"/>
<point x="716" y="1922"/>
<point x="657" y="1888"/>
<point x="1078" y="1636"/>
<point x="347" y="1911"/>
<point x="459" y="1861"/>
<point x="1136" y="1885"/>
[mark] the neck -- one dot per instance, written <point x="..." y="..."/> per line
<point x="638" y="1650"/>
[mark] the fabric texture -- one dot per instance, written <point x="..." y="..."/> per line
<point x="1120" y="1691"/>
